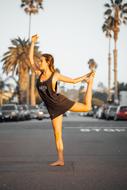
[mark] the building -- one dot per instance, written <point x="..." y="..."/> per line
<point x="123" y="97"/>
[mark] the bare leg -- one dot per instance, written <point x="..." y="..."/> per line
<point x="86" y="106"/>
<point x="57" y="127"/>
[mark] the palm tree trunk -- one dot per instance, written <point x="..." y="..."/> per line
<point x="32" y="87"/>
<point x="29" y="31"/>
<point x="109" y="72"/>
<point x="28" y="87"/>
<point x="23" y="80"/>
<point x="33" y="98"/>
<point x="115" y="74"/>
<point x="1" y="97"/>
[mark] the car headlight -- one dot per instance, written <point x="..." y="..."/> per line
<point x="41" y="113"/>
<point x="13" y="113"/>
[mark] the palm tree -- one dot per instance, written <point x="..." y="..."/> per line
<point x="107" y="30"/>
<point x="31" y="7"/>
<point x="16" y="61"/>
<point x="3" y="85"/>
<point x="115" y="15"/>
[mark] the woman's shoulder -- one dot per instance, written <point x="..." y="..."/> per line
<point x="56" y="75"/>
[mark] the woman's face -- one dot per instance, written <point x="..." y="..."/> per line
<point x="43" y="64"/>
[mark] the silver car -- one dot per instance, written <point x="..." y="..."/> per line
<point x="111" y="112"/>
<point x="10" y="112"/>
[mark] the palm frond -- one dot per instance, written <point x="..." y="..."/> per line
<point x="125" y="22"/>
<point x="17" y="55"/>
<point x="31" y="6"/>
<point x="125" y="11"/>
<point x="108" y="12"/>
<point x="125" y="18"/>
<point x="118" y="2"/>
<point x="107" y="5"/>
<point x="124" y="5"/>
<point x="112" y="2"/>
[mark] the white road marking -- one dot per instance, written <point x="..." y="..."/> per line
<point x="102" y="129"/>
<point x="98" y="129"/>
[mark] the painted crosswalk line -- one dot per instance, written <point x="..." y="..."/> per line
<point x="102" y="129"/>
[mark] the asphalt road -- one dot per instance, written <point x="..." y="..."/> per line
<point x="95" y="155"/>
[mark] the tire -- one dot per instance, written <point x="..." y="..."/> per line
<point x="107" y="118"/>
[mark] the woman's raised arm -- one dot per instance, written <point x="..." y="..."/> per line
<point x="31" y="52"/>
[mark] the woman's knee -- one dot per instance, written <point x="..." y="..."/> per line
<point x="58" y="135"/>
<point x="80" y="107"/>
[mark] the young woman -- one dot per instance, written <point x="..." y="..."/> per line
<point x="56" y="103"/>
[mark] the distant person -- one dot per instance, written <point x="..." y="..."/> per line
<point x="56" y="103"/>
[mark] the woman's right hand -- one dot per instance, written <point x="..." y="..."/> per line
<point x="34" y="38"/>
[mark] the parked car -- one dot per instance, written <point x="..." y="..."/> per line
<point x="26" y="111"/>
<point x="67" y="113"/>
<point x="45" y="111"/>
<point x="36" y="112"/>
<point x="33" y="111"/>
<point x="82" y="114"/>
<point x="111" y="112"/>
<point x="40" y="114"/>
<point x="90" y="113"/>
<point x="10" y="112"/>
<point x="21" y="112"/>
<point x="0" y="115"/>
<point x="99" y="113"/>
<point x="121" y="113"/>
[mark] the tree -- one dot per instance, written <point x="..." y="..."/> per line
<point x="3" y="86"/>
<point x="31" y="7"/>
<point x="16" y="61"/>
<point x="107" y="30"/>
<point x="115" y="15"/>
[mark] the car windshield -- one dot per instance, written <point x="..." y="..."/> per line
<point x="20" y="107"/>
<point x="24" y="107"/>
<point x="113" y="109"/>
<point x="123" y="108"/>
<point x="8" y="108"/>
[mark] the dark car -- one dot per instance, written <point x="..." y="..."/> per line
<point x="121" y="113"/>
<point x="0" y="115"/>
<point x="10" y="112"/>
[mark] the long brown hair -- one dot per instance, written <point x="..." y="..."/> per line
<point x="49" y="58"/>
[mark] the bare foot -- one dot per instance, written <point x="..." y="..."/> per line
<point x="86" y="79"/>
<point x="57" y="163"/>
<point x="90" y="78"/>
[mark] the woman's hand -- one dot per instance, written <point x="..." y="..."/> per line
<point x="34" y="38"/>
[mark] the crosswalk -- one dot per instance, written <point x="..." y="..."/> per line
<point x="99" y="129"/>
<point x="111" y="130"/>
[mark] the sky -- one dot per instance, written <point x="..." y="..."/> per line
<point x="71" y="31"/>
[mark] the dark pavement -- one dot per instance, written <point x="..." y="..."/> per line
<point x="95" y="155"/>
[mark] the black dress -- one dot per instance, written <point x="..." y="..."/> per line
<point x="56" y="103"/>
